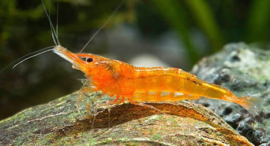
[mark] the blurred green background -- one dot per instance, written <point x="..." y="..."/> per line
<point x="176" y="33"/>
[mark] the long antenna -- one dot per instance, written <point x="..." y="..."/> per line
<point x="47" y="49"/>
<point x="54" y="33"/>
<point x="57" y="22"/>
<point x="41" y="51"/>
<point x="108" y="20"/>
<point x="31" y="57"/>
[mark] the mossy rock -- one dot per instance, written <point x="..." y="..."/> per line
<point x="59" y="123"/>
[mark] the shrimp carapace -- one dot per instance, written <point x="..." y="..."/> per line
<point x="146" y="84"/>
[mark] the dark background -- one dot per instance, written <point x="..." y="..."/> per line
<point x="178" y="33"/>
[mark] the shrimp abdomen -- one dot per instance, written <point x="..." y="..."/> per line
<point x="167" y="80"/>
<point x="174" y="81"/>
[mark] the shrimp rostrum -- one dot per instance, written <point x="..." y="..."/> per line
<point x="145" y="84"/>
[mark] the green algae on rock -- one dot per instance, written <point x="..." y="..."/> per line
<point x="58" y="122"/>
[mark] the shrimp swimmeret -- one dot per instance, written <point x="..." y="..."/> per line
<point x="145" y="84"/>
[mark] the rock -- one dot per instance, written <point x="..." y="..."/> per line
<point x="59" y="123"/>
<point x="245" y="70"/>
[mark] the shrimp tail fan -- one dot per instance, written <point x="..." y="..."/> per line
<point x="252" y="104"/>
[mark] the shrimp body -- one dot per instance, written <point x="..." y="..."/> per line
<point x="145" y="84"/>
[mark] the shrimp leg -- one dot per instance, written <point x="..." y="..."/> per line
<point x="142" y="104"/>
<point x="88" y="106"/>
<point x="115" y="101"/>
<point x="81" y="97"/>
<point x="140" y="97"/>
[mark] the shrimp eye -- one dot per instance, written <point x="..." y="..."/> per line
<point x="89" y="59"/>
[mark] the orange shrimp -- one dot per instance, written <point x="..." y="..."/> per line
<point x="145" y="84"/>
<point x="140" y="84"/>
